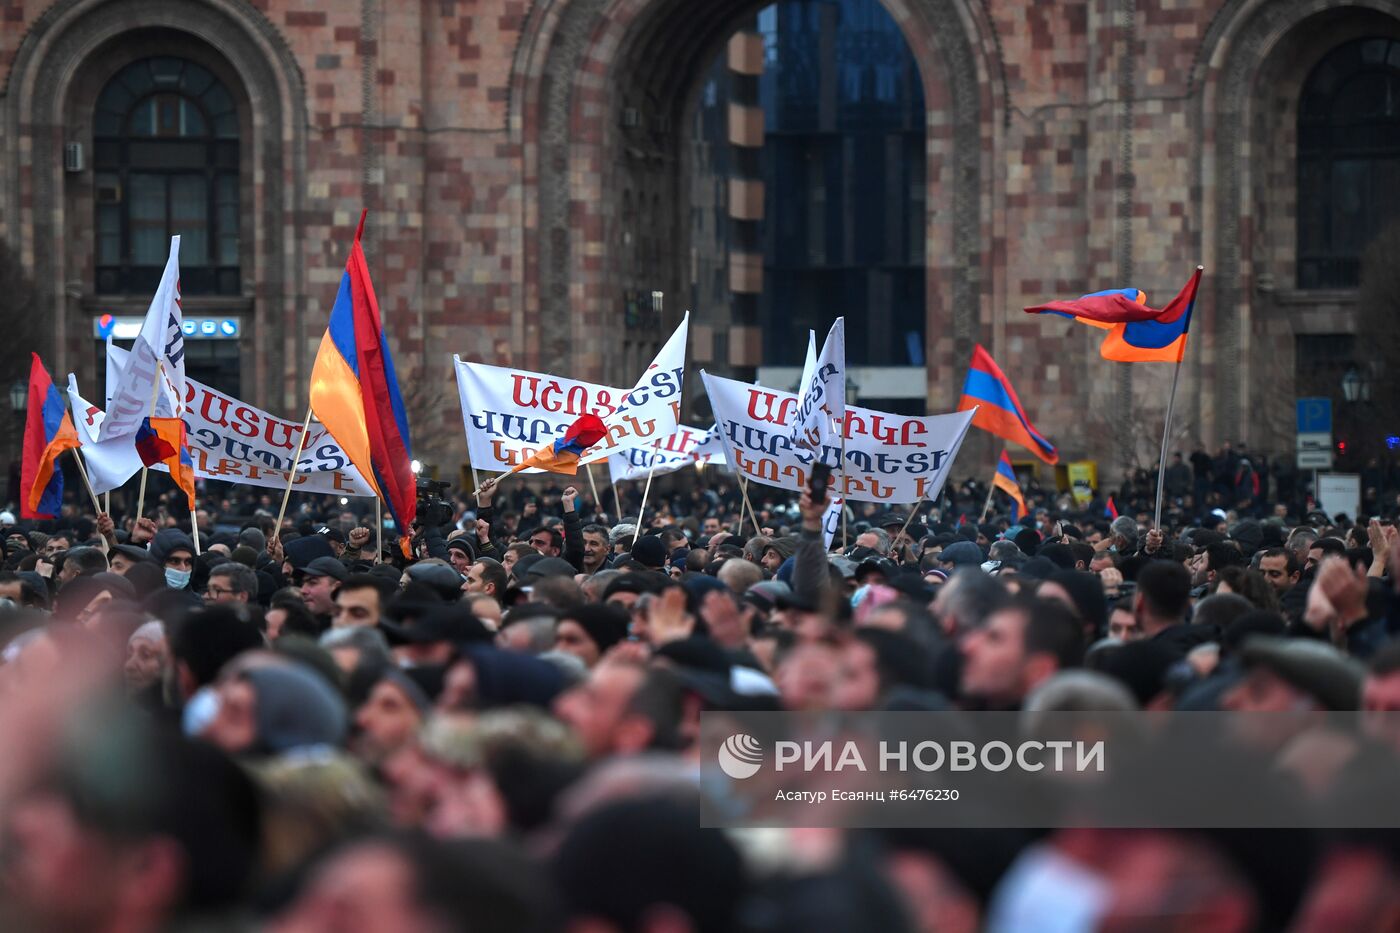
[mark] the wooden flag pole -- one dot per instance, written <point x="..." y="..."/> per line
<point x="292" y="474"/>
<point x="990" y="489"/>
<point x="753" y="516"/>
<point x="593" y="484"/>
<point x="917" y="505"/>
<point x="78" y="459"/>
<point x="155" y="393"/>
<point x="194" y="526"/>
<point x="617" y="501"/>
<point x="645" y="493"/>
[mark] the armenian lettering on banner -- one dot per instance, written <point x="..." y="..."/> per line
<point x="688" y="445"/>
<point x="889" y="458"/>
<point x="509" y="414"/>
<point x="230" y="441"/>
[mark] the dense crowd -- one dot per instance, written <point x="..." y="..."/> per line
<point x="294" y="729"/>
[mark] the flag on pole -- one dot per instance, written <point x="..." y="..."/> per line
<point x="48" y="432"/>
<point x="1005" y="480"/>
<point x="1154" y="335"/>
<point x="821" y="398"/>
<point x="998" y="410"/>
<point x="355" y="393"/>
<point x="563" y="455"/>
<point x="163" y="441"/>
<point x="158" y="354"/>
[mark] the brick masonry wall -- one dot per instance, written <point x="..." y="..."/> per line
<point x="435" y="116"/>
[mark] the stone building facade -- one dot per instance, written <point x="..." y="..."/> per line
<point x="523" y="163"/>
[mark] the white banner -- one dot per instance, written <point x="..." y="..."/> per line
<point x="162" y="340"/>
<point x="889" y="458"/>
<point x="229" y="441"/>
<point x="688" y="445"/>
<point x="831" y="519"/>
<point x="509" y="414"/>
<point x="821" y="396"/>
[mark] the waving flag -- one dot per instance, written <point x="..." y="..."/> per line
<point x="1136" y="332"/>
<point x="163" y="441"/>
<point x="563" y="455"/>
<point x="1110" y="511"/>
<point x="158" y="355"/>
<point x="48" y="432"/>
<point x="821" y="398"/>
<point x="1005" y="480"/>
<point x="355" y="393"/>
<point x="998" y="410"/>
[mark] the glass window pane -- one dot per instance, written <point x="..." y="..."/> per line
<point x="217" y="100"/>
<point x="115" y="97"/>
<point x="226" y="126"/>
<point x="146" y="207"/>
<point x="196" y="80"/>
<point x="143" y="119"/>
<point x="137" y="77"/>
<point x="189" y="214"/>
<point x="109" y="235"/>
<point x="166" y="71"/>
<point x="191" y="120"/>
<point x="107" y="124"/>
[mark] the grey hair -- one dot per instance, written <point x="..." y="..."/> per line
<point x="1077" y="692"/>
<point x="368" y="641"/>
<point x="969" y="597"/>
<point x="620" y="533"/>
<point x="882" y="538"/>
<point x="241" y="578"/>
<point x="1004" y="550"/>
<point x="571" y="666"/>
<point x="1126" y="526"/>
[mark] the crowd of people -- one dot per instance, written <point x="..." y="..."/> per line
<point x="294" y="728"/>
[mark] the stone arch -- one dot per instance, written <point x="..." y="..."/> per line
<point x="1242" y="172"/>
<point x="571" y="80"/>
<point x="64" y="52"/>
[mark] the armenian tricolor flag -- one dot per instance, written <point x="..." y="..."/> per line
<point x="1005" y="480"/>
<point x="48" y="432"/>
<point x="563" y="455"/>
<point x="1110" y="511"/>
<point x="999" y="411"/>
<point x="162" y="440"/>
<point x="1136" y="332"/>
<point x="355" y="393"/>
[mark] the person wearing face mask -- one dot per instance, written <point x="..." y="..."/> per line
<point x="174" y="551"/>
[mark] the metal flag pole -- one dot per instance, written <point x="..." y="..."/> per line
<point x="378" y="530"/>
<point x="1166" y="437"/>
<point x="1167" y="427"/>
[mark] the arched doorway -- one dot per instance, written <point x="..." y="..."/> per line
<point x="602" y="95"/>
<point x="807" y="179"/>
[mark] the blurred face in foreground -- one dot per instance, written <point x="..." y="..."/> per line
<point x="368" y="888"/>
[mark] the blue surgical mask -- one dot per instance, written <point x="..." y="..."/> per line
<point x="177" y="579"/>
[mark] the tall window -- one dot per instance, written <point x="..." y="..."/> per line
<point x="1348" y="159"/>
<point x="843" y="168"/>
<point x="166" y="159"/>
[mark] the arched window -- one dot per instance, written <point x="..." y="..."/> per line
<point x="1348" y="159"/>
<point x="165" y="153"/>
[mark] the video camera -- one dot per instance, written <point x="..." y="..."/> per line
<point x="433" y="510"/>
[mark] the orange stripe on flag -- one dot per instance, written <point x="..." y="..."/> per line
<point x="336" y="399"/>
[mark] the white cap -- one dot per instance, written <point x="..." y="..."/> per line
<point x="7" y="518"/>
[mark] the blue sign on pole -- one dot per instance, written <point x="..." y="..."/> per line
<point x="1314" y="416"/>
